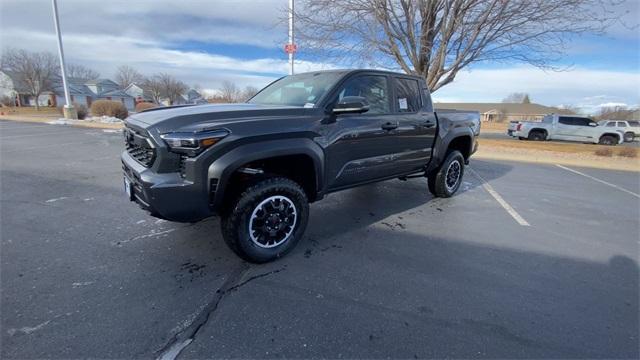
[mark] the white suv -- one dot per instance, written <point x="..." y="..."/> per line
<point x="631" y="128"/>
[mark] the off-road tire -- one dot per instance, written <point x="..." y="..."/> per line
<point x="537" y="136"/>
<point x="437" y="181"/>
<point x="608" y="140"/>
<point x="629" y="136"/>
<point x="235" y="222"/>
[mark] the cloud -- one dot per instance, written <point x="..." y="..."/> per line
<point x="580" y="87"/>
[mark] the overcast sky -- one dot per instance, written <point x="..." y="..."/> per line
<point x="207" y="42"/>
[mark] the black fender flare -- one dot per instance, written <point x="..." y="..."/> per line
<point x="223" y="167"/>
<point x="442" y="142"/>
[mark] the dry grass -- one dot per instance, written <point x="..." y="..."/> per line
<point x="494" y="126"/>
<point x="562" y="147"/>
<point x="628" y="152"/>
<point x="31" y="111"/>
<point x="570" y="154"/>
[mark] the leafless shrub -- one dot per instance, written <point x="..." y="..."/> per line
<point x="604" y="152"/>
<point x="144" y="106"/>
<point x="628" y="152"/>
<point x="109" y="108"/>
<point x="81" y="110"/>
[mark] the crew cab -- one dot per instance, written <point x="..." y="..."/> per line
<point x="565" y="127"/>
<point x="259" y="164"/>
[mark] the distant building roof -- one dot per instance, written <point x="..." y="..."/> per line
<point x="101" y="82"/>
<point x="504" y="108"/>
<point x="117" y="92"/>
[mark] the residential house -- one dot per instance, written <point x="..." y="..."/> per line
<point x="81" y="91"/>
<point x="505" y="111"/>
<point x="141" y="95"/>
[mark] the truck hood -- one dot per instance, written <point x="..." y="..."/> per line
<point x="197" y="117"/>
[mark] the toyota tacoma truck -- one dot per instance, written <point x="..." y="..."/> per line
<point x="565" y="127"/>
<point x="259" y="164"/>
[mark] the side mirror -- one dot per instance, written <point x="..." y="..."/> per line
<point x="351" y="105"/>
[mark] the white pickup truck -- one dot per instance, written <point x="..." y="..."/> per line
<point x="566" y="127"/>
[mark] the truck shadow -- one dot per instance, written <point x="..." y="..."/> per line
<point x="362" y="206"/>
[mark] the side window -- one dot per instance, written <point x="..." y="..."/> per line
<point x="565" y="120"/>
<point x="622" y="124"/>
<point x="611" y="124"/>
<point x="408" y="95"/>
<point x="634" y="123"/>
<point x="579" y="121"/>
<point x="371" y="87"/>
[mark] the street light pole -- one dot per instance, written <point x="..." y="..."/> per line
<point x="291" y="36"/>
<point x="68" y="110"/>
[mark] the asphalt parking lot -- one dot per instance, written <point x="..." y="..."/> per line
<point x="385" y="270"/>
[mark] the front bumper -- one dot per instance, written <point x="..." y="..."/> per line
<point x="166" y="195"/>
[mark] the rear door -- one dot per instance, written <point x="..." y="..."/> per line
<point x="416" y="124"/>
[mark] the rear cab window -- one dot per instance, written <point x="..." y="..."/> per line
<point x="408" y="96"/>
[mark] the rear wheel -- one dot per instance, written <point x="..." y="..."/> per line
<point x="537" y="136"/>
<point x="267" y="220"/>
<point x="608" y="140"/>
<point x="446" y="181"/>
<point x="628" y="137"/>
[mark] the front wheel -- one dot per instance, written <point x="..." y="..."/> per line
<point x="267" y="220"/>
<point x="446" y="181"/>
<point x="608" y="140"/>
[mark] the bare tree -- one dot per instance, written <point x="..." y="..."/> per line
<point x="229" y="92"/>
<point x="517" y="98"/>
<point x="154" y="88"/>
<point x="436" y="39"/>
<point x="33" y="69"/>
<point x="172" y="88"/>
<point x="615" y="113"/>
<point x="248" y="92"/>
<point x="81" y="72"/>
<point x="127" y="75"/>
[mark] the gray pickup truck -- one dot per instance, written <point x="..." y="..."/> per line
<point x="565" y="127"/>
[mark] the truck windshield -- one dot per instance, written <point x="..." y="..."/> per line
<point x="297" y="90"/>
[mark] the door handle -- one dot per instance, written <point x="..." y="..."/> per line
<point x="389" y="126"/>
<point x="429" y="124"/>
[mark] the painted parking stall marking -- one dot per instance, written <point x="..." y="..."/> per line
<point x="505" y="205"/>
<point x="599" y="180"/>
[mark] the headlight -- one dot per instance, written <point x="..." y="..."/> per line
<point x="192" y="143"/>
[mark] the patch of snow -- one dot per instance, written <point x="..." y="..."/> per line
<point x="84" y="283"/>
<point x="104" y="119"/>
<point x="60" y="121"/>
<point x="56" y="199"/>
<point x="111" y="131"/>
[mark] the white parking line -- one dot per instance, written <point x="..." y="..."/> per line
<point x="505" y="205"/>
<point x="600" y="181"/>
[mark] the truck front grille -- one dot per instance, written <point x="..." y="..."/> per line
<point x="139" y="147"/>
